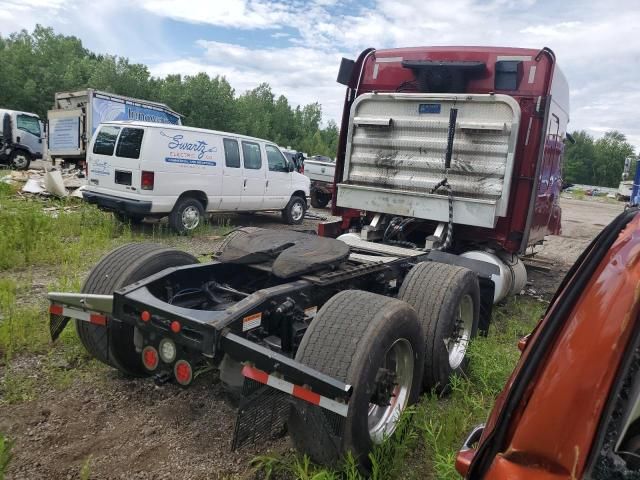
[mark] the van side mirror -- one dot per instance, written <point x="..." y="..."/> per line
<point x="291" y="167"/>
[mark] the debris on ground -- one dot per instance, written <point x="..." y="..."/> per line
<point x="314" y="216"/>
<point x="50" y="182"/>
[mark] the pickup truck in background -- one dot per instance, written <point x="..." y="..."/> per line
<point x="320" y="170"/>
<point x="76" y="115"/>
<point x="20" y="138"/>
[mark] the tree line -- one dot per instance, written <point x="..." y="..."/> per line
<point x="33" y="66"/>
<point x="591" y="161"/>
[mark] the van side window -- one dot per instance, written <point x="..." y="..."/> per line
<point x="252" y="156"/>
<point x="106" y="140"/>
<point x="231" y="153"/>
<point x="277" y="162"/>
<point x="129" y="143"/>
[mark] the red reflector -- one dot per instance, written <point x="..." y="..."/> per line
<point x="145" y="316"/>
<point x="175" y="326"/>
<point x="150" y="358"/>
<point x="55" y="309"/>
<point x="98" y="319"/>
<point x="146" y="180"/>
<point x="183" y="373"/>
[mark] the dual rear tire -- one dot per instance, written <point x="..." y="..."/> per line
<point x="417" y="341"/>
<point x="113" y="344"/>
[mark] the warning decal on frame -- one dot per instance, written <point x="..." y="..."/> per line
<point x="252" y="321"/>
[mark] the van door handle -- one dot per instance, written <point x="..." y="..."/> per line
<point x="267" y="185"/>
<point x="245" y="183"/>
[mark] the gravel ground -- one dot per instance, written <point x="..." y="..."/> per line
<point x="131" y="429"/>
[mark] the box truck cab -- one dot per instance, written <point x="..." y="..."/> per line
<point x="139" y="169"/>
<point x="20" y="138"/>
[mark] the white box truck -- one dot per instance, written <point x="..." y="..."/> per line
<point x="20" y="138"/>
<point x="142" y="169"/>
<point x="76" y="115"/>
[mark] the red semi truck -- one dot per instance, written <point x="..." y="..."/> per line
<point x="448" y="167"/>
<point x="503" y="167"/>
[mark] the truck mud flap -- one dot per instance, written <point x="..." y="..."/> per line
<point x="57" y="322"/>
<point x="262" y="415"/>
<point x="264" y="411"/>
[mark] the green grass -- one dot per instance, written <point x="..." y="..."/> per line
<point x="430" y="434"/>
<point x="66" y="245"/>
<point x="6" y="446"/>
<point x="53" y="243"/>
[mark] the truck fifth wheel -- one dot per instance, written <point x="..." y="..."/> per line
<point x="440" y="184"/>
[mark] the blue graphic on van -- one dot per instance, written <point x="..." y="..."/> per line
<point x="188" y="161"/>
<point x="177" y="142"/>
<point x="105" y="109"/>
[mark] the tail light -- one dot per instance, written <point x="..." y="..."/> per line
<point x="150" y="358"/>
<point x="146" y="181"/>
<point x="183" y="372"/>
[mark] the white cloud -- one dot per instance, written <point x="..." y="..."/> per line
<point x="303" y="75"/>
<point x="246" y="14"/>
<point x="595" y="42"/>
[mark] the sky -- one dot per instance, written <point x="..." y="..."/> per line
<point x="296" y="45"/>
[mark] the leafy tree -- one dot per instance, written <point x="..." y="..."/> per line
<point x="610" y="153"/>
<point x="38" y="64"/>
<point x="597" y="162"/>
<point x="578" y="159"/>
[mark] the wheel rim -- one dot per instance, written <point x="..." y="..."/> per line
<point x="383" y="420"/>
<point x="190" y="217"/>
<point x="20" y="161"/>
<point x="297" y="210"/>
<point x="459" y="341"/>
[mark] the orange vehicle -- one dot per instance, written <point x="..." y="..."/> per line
<point x="571" y="408"/>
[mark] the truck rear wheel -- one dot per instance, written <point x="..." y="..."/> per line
<point x="319" y="199"/>
<point x="447" y="301"/>
<point x="123" y="266"/>
<point x="375" y="344"/>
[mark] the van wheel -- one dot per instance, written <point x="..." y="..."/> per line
<point x="20" y="160"/>
<point x="186" y="215"/>
<point x="379" y="350"/>
<point x="294" y="212"/>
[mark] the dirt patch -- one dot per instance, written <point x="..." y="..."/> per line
<point x="128" y="429"/>
<point x="582" y="220"/>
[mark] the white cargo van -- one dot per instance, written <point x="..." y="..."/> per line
<point x="140" y="169"/>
